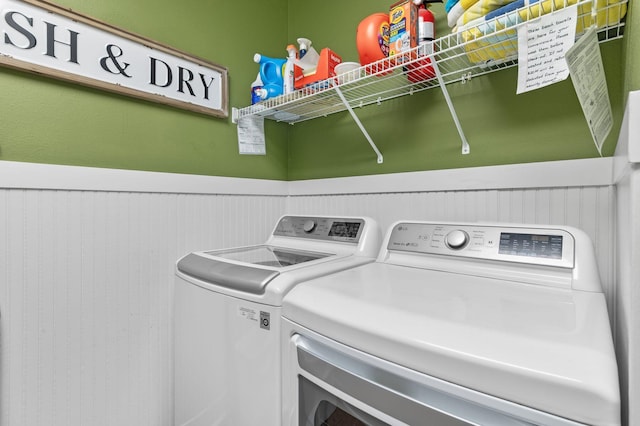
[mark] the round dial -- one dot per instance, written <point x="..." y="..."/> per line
<point x="309" y="226"/>
<point x="456" y="239"/>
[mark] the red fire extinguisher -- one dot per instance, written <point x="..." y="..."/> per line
<point x="422" y="70"/>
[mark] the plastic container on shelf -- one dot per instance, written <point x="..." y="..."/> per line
<point x="271" y="74"/>
<point x="347" y="72"/>
<point x="289" y="69"/>
<point x="304" y="44"/>
<point x="372" y="41"/>
<point x="258" y="92"/>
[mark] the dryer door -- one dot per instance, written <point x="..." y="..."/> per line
<point x="342" y="395"/>
<point x="328" y="383"/>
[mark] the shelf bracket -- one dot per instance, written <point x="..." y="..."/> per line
<point x="359" y="123"/>
<point x="465" y="144"/>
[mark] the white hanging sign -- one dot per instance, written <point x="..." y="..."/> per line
<point x="587" y="74"/>
<point x="251" y="135"/>
<point x="43" y="38"/>
<point x="542" y="44"/>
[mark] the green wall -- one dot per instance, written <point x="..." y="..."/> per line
<point x="46" y="121"/>
<point x="417" y="132"/>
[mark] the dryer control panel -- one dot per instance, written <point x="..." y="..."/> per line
<point x="540" y="246"/>
<point x="321" y="228"/>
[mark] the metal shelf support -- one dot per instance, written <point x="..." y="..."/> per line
<point x="359" y="123"/>
<point x="465" y="145"/>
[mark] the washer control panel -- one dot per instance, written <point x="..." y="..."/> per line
<point x="541" y="246"/>
<point x="321" y="228"/>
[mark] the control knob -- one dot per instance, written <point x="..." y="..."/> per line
<point x="309" y="226"/>
<point x="457" y="239"/>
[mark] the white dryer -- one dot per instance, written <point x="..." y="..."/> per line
<point x="227" y="315"/>
<point x="455" y="324"/>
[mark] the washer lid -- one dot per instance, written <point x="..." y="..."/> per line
<point x="546" y="348"/>
<point x="246" y="269"/>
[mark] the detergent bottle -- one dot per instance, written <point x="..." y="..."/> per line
<point x="257" y="90"/>
<point x="289" y="69"/>
<point x="422" y="70"/>
<point x="271" y="74"/>
<point x="372" y="41"/>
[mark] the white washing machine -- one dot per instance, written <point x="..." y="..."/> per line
<point x="455" y="324"/>
<point x="227" y="315"/>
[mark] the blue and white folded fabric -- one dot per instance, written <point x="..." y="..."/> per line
<point x="449" y="4"/>
<point x="480" y="9"/>
<point x="457" y="10"/>
<point x="509" y="8"/>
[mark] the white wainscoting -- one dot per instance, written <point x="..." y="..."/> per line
<point x="87" y="255"/>
<point x="86" y="282"/>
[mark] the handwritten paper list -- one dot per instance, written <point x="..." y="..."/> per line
<point x="542" y="44"/>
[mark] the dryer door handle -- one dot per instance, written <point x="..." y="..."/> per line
<point x="405" y="395"/>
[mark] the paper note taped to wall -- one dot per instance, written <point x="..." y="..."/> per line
<point x="251" y="135"/>
<point x="542" y="44"/>
<point x="587" y="74"/>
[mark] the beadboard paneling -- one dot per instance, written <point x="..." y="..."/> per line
<point x="86" y="280"/>
<point x="86" y="288"/>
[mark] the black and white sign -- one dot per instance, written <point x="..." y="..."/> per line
<point x="40" y="37"/>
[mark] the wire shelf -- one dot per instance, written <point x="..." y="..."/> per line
<point x="471" y="51"/>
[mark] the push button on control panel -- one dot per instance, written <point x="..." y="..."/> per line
<point x="437" y="237"/>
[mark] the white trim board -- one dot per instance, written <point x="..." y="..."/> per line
<point x="46" y="176"/>
<point x="553" y="174"/>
